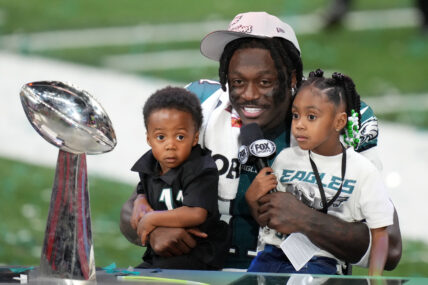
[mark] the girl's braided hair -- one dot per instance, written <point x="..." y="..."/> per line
<point x="340" y="88"/>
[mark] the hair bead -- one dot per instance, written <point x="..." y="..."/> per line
<point x="352" y="135"/>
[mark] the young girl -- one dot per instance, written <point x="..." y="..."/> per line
<point x="324" y="175"/>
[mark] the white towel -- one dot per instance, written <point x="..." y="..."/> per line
<point x="219" y="136"/>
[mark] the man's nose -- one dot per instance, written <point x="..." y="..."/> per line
<point x="251" y="92"/>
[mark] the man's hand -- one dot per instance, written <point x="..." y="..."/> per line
<point x="169" y="242"/>
<point x="347" y="241"/>
<point x="282" y="212"/>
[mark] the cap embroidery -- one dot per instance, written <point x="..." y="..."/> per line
<point x="235" y="21"/>
<point x="279" y="30"/>
<point x="242" y="29"/>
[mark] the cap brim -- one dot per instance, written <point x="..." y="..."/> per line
<point x="213" y="44"/>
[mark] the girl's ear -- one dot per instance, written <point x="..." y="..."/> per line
<point x="196" y="139"/>
<point x="147" y="138"/>
<point x="340" y="121"/>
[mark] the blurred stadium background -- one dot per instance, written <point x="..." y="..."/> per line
<point x="121" y="51"/>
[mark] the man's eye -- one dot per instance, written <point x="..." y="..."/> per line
<point x="236" y="82"/>
<point x="312" y="117"/>
<point x="160" y="137"/>
<point x="265" y="82"/>
<point x="180" y="137"/>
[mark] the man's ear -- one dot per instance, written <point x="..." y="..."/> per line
<point x="340" y="121"/>
<point x="196" y="139"/>
<point x="293" y="79"/>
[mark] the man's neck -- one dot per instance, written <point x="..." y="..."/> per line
<point x="275" y="131"/>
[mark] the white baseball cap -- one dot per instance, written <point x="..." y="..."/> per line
<point x="250" y="24"/>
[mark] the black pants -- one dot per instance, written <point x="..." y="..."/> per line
<point x="176" y="262"/>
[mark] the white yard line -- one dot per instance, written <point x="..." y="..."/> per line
<point x="398" y="103"/>
<point x="113" y="36"/>
<point x="382" y="19"/>
<point x="158" y="60"/>
<point x="117" y="36"/>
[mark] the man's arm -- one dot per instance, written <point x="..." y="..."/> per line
<point x="125" y="220"/>
<point x="347" y="241"/>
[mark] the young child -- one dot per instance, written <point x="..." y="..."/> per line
<point x="178" y="182"/>
<point x="324" y="175"/>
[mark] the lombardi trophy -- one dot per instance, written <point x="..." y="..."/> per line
<point x="72" y="120"/>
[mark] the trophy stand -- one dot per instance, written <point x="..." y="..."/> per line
<point x="68" y="249"/>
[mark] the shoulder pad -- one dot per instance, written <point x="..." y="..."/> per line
<point x="203" y="88"/>
<point x="369" y="130"/>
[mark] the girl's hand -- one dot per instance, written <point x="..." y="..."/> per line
<point x="264" y="182"/>
<point x="196" y="232"/>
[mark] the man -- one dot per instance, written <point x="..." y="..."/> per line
<point x="260" y="67"/>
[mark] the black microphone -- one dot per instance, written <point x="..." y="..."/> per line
<point x="255" y="149"/>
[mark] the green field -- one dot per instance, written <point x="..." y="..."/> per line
<point x="381" y="62"/>
<point x="42" y="15"/>
<point x="24" y="200"/>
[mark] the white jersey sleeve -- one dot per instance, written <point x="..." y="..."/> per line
<point x="374" y="204"/>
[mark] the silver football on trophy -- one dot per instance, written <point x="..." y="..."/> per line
<point x="68" y="117"/>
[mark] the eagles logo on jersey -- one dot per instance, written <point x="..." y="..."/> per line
<point x="369" y="130"/>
